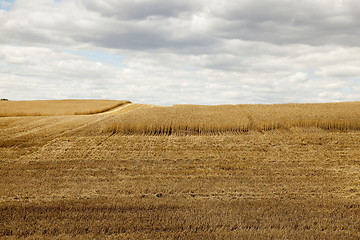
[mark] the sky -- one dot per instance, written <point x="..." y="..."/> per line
<point x="181" y="52"/>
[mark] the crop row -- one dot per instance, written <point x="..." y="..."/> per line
<point x="199" y="120"/>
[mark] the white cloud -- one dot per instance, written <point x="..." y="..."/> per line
<point x="181" y="52"/>
<point x="341" y="71"/>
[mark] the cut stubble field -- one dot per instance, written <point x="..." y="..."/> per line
<point x="183" y="172"/>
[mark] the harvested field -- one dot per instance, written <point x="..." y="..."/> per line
<point x="56" y="107"/>
<point x="66" y="177"/>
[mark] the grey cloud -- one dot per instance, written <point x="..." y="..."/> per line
<point x="142" y="9"/>
<point x="183" y="26"/>
<point x="148" y="40"/>
<point x="183" y="51"/>
<point x="289" y="22"/>
<point x="71" y="25"/>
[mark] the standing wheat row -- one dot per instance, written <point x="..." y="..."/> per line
<point x="208" y="120"/>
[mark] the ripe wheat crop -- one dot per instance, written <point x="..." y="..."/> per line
<point x="208" y="120"/>
<point x="56" y="107"/>
<point x="183" y="172"/>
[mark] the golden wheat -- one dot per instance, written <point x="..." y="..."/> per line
<point x="279" y="185"/>
<point x="181" y="173"/>
<point x="56" y="107"/>
<point x="192" y="119"/>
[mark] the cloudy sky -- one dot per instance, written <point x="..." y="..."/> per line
<point x="190" y="51"/>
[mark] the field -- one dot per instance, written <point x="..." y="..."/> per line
<point x="223" y="119"/>
<point x="56" y="107"/>
<point x="287" y="171"/>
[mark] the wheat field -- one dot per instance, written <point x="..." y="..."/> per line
<point x="289" y="171"/>
<point x="56" y="107"/>
<point x="224" y="119"/>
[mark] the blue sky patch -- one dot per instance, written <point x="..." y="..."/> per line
<point x="189" y="68"/>
<point x="312" y="74"/>
<point x="6" y="4"/>
<point x="347" y="90"/>
<point x="357" y="81"/>
<point x="109" y="59"/>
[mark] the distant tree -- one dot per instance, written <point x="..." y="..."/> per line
<point x="4" y="99"/>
